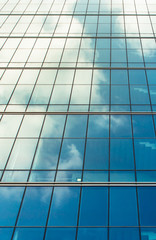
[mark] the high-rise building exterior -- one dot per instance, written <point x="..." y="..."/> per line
<point x="78" y="120"/>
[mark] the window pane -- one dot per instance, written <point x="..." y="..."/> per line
<point x="76" y="126"/>
<point x="92" y="233"/>
<point x="97" y="155"/>
<point x="98" y="126"/>
<point x="35" y="206"/>
<point x="93" y="210"/>
<point x="123" y="206"/>
<point x="121" y="154"/>
<point x="72" y="154"/>
<point x="120" y="126"/>
<point x="64" y="206"/>
<point x="60" y="233"/>
<point x="10" y="199"/>
<point x="147" y="206"/>
<point x="28" y="233"/>
<point x="124" y="234"/>
<point x="143" y="126"/>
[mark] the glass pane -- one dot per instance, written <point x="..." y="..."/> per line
<point x="47" y="154"/>
<point x="121" y="154"/>
<point x="123" y="206"/>
<point x="147" y="206"/>
<point x="98" y="126"/>
<point x="72" y="154"/>
<point x="60" y="233"/>
<point x="97" y="154"/>
<point x="124" y="234"/>
<point x="28" y="233"/>
<point x="65" y="200"/>
<point x="10" y="199"/>
<point x="76" y="126"/>
<point x="93" y="210"/>
<point x="6" y="233"/>
<point x="92" y="233"/>
<point x="143" y="126"/>
<point x="121" y="126"/>
<point x="35" y="206"/>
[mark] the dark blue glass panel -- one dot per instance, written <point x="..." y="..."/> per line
<point x="76" y="126"/>
<point x="119" y="77"/>
<point x="124" y="234"/>
<point x="10" y="199"/>
<point x="72" y="154"/>
<point x="121" y="154"/>
<point x="60" y="234"/>
<point x="139" y="94"/>
<point x="35" y="206"/>
<point x="64" y="206"/>
<point x="94" y="209"/>
<point x="151" y="75"/>
<point x="120" y="126"/>
<point x="148" y="233"/>
<point x="119" y="94"/>
<point x="147" y="206"/>
<point x="145" y="153"/>
<point x="92" y="233"/>
<point x="47" y="154"/>
<point x="143" y="126"/>
<point x="137" y="77"/>
<point x="97" y="154"/>
<point x="98" y="126"/>
<point x="123" y="206"/>
<point x="6" y="233"/>
<point x="28" y="233"/>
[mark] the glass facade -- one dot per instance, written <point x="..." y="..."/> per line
<point x="78" y="119"/>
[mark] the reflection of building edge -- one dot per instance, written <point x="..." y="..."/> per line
<point x="78" y="120"/>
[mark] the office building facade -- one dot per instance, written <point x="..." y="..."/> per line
<point x="78" y="119"/>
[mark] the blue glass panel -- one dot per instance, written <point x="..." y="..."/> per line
<point x="10" y="199"/>
<point x="121" y="154"/>
<point x="94" y="209"/>
<point x="120" y="126"/>
<point x="147" y="206"/>
<point x="92" y="233"/>
<point x="143" y="126"/>
<point x="139" y="94"/>
<point x="151" y="75"/>
<point x="137" y="77"/>
<point x="123" y="206"/>
<point x="97" y="153"/>
<point x="72" y="154"/>
<point x="68" y="176"/>
<point x="76" y="126"/>
<point x="145" y="153"/>
<point x="64" y="206"/>
<point x="119" y="94"/>
<point x="124" y="234"/>
<point x="146" y="176"/>
<point x="35" y="206"/>
<point x="153" y="94"/>
<point x="98" y="126"/>
<point x="95" y="176"/>
<point x="122" y="176"/>
<point x="148" y="233"/>
<point x="28" y="233"/>
<point x="119" y="77"/>
<point x="6" y="233"/>
<point x="60" y="234"/>
<point x="47" y="154"/>
<point x="42" y="176"/>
